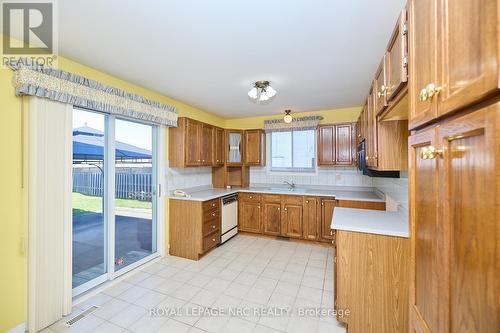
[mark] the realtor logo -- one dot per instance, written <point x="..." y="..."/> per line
<point x="29" y="31"/>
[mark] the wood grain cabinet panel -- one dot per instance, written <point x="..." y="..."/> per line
<point x="311" y="218"/>
<point x="272" y="218"/>
<point x="396" y="58"/>
<point x="380" y="88"/>
<point x="219" y="145"/>
<point x="327" y="207"/>
<point x="423" y="34"/>
<point x="291" y="220"/>
<point x="468" y="53"/>
<point x="344" y="144"/>
<point x="326" y="145"/>
<point x="206" y="145"/>
<point x="249" y="216"/>
<point x="255" y="147"/>
<point x="193" y="133"/>
<point x="424" y="264"/>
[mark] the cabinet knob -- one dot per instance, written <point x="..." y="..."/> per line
<point x="213" y="214"/>
<point x="258" y="161"/>
<point x="428" y="92"/>
<point x="213" y="239"/>
<point x="213" y="227"/>
<point x="203" y="160"/>
<point x="430" y="153"/>
<point x="331" y="233"/>
<point x="307" y="201"/>
<point x="285" y="209"/>
<point x="198" y="160"/>
<point x="213" y="205"/>
<point x="279" y="208"/>
<point x="259" y="206"/>
<point x="251" y="197"/>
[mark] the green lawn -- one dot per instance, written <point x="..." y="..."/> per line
<point x="84" y="204"/>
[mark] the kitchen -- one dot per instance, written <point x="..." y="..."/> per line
<point x="340" y="177"/>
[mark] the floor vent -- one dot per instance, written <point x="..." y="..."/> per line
<point x="82" y="315"/>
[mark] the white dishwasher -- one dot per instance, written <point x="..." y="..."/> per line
<point x="229" y="217"/>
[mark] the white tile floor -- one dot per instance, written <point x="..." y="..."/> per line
<point x="244" y="274"/>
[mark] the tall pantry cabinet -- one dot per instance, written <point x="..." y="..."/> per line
<point x="454" y="157"/>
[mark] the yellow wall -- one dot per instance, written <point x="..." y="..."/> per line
<point x="329" y="116"/>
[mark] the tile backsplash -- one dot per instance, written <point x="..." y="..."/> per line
<point x="396" y="188"/>
<point x="340" y="176"/>
<point x="181" y="178"/>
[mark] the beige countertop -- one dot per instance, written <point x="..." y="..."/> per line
<point x="370" y="221"/>
<point x="340" y="193"/>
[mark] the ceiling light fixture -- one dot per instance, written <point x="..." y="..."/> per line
<point x="262" y="91"/>
<point x="287" y="118"/>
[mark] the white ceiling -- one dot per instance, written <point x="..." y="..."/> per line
<point x="318" y="54"/>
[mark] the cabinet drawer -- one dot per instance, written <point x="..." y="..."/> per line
<point x="211" y="204"/>
<point x="211" y="241"/>
<point x="211" y="226"/>
<point x="292" y="199"/>
<point x="211" y="215"/>
<point x="249" y="197"/>
<point x="271" y="198"/>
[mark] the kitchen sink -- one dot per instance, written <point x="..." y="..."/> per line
<point x="288" y="190"/>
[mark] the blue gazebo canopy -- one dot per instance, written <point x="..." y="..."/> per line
<point x="88" y="145"/>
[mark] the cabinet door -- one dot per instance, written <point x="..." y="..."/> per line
<point x="207" y="144"/>
<point x="272" y="218"/>
<point x="219" y="146"/>
<point x="254" y="147"/>
<point x="424" y="231"/>
<point x="327" y="207"/>
<point x="469" y="206"/>
<point x="396" y="58"/>
<point x="249" y="217"/>
<point x="291" y="221"/>
<point x="311" y="218"/>
<point x="344" y="144"/>
<point x="380" y="88"/>
<point x="469" y="52"/>
<point x="193" y="133"/>
<point x="235" y="149"/>
<point x="423" y="59"/>
<point x="326" y="145"/>
<point x="371" y="124"/>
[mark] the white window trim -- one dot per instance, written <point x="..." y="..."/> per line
<point x="271" y="172"/>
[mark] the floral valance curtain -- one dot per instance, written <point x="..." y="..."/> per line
<point x="80" y="91"/>
<point x="302" y="123"/>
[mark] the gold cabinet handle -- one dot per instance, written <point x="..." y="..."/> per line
<point x="213" y="239"/>
<point x="213" y="214"/>
<point x="285" y="209"/>
<point x="423" y="96"/>
<point x="279" y="208"/>
<point x="259" y="206"/>
<point x="307" y="201"/>
<point x="382" y="91"/>
<point x="213" y="205"/>
<point x="430" y="153"/>
<point x="213" y="227"/>
<point x="432" y="90"/>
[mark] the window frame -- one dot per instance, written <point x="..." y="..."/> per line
<point x="292" y="170"/>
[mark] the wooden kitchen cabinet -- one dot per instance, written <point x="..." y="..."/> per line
<point x="311" y="219"/>
<point x="326" y="145"/>
<point x="249" y="212"/>
<point x="191" y="144"/>
<point x="380" y="88"/>
<point x="336" y="144"/>
<point x="372" y="281"/>
<point x="235" y="147"/>
<point x="396" y="58"/>
<point x="271" y="214"/>
<point x="291" y="216"/>
<point x="255" y="147"/>
<point x="455" y="225"/>
<point x="219" y="146"/>
<point x="327" y="207"/>
<point x="194" y="227"/>
<point x="455" y="65"/>
<point x="206" y="145"/>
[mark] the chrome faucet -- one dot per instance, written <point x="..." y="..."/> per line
<point x="291" y="184"/>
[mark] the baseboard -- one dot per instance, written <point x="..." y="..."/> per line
<point x="21" y="328"/>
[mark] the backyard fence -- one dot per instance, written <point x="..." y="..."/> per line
<point x="128" y="185"/>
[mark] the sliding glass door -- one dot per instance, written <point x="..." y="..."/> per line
<point x="114" y="197"/>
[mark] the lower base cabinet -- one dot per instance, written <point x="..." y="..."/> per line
<point x="371" y="281"/>
<point x="194" y="227"/>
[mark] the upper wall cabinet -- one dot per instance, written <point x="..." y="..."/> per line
<point x="235" y="148"/>
<point x="448" y="74"/>
<point x="255" y="147"/>
<point x="191" y="144"/>
<point x="380" y="88"/>
<point x="336" y="144"/>
<point x="396" y="59"/>
<point x="219" y="146"/>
